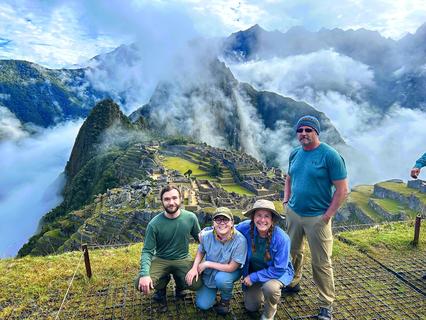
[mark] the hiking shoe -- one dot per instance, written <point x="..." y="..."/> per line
<point x="181" y="293"/>
<point x="222" y="307"/>
<point x="291" y="290"/>
<point x="160" y="296"/>
<point x="325" y="314"/>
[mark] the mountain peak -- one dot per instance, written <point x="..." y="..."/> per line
<point x="103" y="115"/>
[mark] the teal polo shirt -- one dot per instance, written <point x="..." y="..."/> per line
<point x="312" y="174"/>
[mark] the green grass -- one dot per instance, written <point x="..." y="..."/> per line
<point x="33" y="287"/>
<point x="183" y="165"/>
<point x="404" y="190"/>
<point x="237" y="189"/>
<point x="394" y="207"/>
<point x="360" y="195"/>
<point x="388" y="237"/>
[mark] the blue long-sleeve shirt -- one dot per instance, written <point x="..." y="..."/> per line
<point x="421" y="162"/>
<point x="279" y="266"/>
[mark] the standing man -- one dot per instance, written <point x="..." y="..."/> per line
<point x="420" y="163"/>
<point x="315" y="169"/>
<point x="166" y="248"/>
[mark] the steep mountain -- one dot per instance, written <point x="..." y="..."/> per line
<point x="398" y="65"/>
<point x="44" y="96"/>
<point x="217" y="109"/>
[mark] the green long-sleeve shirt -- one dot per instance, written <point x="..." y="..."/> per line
<point x="168" y="238"/>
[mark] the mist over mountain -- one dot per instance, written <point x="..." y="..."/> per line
<point x="215" y="108"/>
<point x="45" y="97"/>
<point x="398" y="66"/>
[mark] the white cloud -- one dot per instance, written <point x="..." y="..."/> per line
<point x="62" y="33"/>
<point x="29" y="182"/>
<point x="10" y="127"/>
<point x="379" y="146"/>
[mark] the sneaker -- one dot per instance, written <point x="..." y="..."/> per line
<point x="291" y="290"/>
<point x="181" y="293"/>
<point x="160" y="296"/>
<point x="222" y="307"/>
<point x="325" y="314"/>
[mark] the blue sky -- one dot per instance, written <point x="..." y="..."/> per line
<point x="63" y="33"/>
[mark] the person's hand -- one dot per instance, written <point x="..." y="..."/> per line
<point x="145" y="284"/>
<point x="193" y="273"/>
<point x="203" y="266"/>
<point x="415" y="173"/>
<point x="247" y="281"/>
<point x="326" y="219"/>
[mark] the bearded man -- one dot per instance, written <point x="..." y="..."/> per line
<point x="166" y="248"/>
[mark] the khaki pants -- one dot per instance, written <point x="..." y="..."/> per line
<point x="268" y="292"/>
<point x="161" y="269"/>
<point x="320" y="240"/>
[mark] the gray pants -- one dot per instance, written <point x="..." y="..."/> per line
<point x="268" y="292"/>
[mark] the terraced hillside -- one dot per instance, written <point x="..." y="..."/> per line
<point x="386" y="201"/>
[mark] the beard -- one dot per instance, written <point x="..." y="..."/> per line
<point x="171" y="209"/>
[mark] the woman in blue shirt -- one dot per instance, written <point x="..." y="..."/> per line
<point x="268" y="266"/>
<point x="225" y="252"/>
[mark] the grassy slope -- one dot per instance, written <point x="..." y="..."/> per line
<point x="360" y="196"/>
<point x="388" y="237"/>
<point x="33" y="287"/>
<point x="182" y="165"/>
<point x="402" y="189"/>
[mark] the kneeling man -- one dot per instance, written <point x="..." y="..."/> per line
<point x="166" y="248"/>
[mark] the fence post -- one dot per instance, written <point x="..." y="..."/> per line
<point x="87" y="260"/>
<point x="417" y="230"/>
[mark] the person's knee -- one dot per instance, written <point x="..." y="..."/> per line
<point x="223" y="280"/>
<point x="271" y="289"/>
<point x="252" y="306"/>
<point x="203" y="303"/>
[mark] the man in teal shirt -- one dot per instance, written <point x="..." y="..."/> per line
<point x="316" y="186"/>
<point x="166" y="248"/>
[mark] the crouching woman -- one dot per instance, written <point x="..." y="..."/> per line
<point x="268" y="267"/>
<point x="225" y="251"/>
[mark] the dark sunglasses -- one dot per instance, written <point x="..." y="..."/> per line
<point x="308" y="130"/>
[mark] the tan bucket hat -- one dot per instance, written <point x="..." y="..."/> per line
<point x="263" y="204"/>
<point x="223" y="211"/>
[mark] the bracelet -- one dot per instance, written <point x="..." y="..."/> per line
<point x="285" y="202"/>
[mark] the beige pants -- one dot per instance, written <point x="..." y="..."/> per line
<point x="320" y="240"/>
<point x="268" y="292"/>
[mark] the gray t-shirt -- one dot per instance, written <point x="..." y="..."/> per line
<point x="222" y="252"/>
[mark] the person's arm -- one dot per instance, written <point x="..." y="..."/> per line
<point x="420" y="163"/>
<point x="193" y="272"/>
<point x="287" y="190"/>
<point x="238" y="258"/>
<point x="341" y="193"/>
<point x="145" y="281"/>
<point x="225" y="267"/>
<point x="196" y="229"/>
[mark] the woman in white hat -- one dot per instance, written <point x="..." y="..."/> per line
<point x="268" y="265"/>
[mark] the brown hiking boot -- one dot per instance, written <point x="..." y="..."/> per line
<point x="223" y="307"/>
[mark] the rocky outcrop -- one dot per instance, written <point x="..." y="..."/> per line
<point x="412" y="201"/>
<point x="385" y="214"/>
